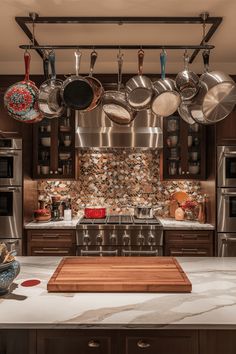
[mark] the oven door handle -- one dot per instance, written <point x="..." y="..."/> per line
<point x="230" y="154"/>
<point x="125" y="252"/>
<point x="9" y="189"/>
<point x="225" y="240"/>
<point x="228" y="194"/>
<point x="99" y="253"/>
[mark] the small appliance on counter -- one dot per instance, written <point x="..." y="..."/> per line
<point x="56" y="204"/>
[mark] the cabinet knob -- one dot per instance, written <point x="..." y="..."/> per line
<point x="51" y="172"/>
<point x="187" y="173"/>
<point x="183" y="172"/>
<point x="143" y="344"/>
<point x="93" y="344"/>
<point x="56" y="172"/>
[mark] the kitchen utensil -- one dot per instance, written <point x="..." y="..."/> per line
<point x="187" y="82"/>
<point x="180" y="196"/>
<point x="76" y="91"/>
<point x="114" y="103"/>
<point x="49" y="99"/>
<point x="120" y="274"/>
<point x="95" y="84"/>
<point x="95" y="213"/>
<point x="184" y="113"/>
<point x="143" y="212"/>
<point x="139" y="89"/>
<point x="216" y="97"/>
<point x="166" y="99"/>
<point x="21" y="99"/>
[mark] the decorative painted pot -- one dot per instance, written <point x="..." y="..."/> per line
<point x="7" y="276"/>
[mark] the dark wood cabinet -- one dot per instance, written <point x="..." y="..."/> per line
<point x="226" y="130"/>
<point x="17" y="342"/>
<point x="74" y="342"/>
<point x="188" y="243"/>
<point x="43" y="242"/>
<point x="162" y="342"/>
<point x="54" y="148"/>
<point x="217" y="342"/>
<point x="184" y="149"/>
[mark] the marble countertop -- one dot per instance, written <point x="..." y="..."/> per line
<point x="212" y="303"/>
<point x="168" y="224"/>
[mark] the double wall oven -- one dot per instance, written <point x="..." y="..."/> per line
<point x="11" y="193"/>
<point x="226" y="200"/>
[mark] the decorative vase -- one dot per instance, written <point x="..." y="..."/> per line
<point x="189" y="214"/>
<point x="7" y="276"/>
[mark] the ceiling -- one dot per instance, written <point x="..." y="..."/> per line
<point x="223" y="57"/>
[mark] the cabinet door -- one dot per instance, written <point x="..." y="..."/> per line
<point x="166" y="342"/>
<point x="183" y="153"/>
<point x="17" y="342"/>
<point x="73" y="342"/>
<point x="217" y="342"/>
<point x="188" y="250"/>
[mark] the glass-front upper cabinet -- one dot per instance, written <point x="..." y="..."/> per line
<point x="54" y="148"/>
<point x="183" y="154"/>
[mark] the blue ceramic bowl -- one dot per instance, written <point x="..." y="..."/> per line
<point x="7" y="275"/>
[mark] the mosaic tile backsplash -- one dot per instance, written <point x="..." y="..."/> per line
<point x="119" y="180"/>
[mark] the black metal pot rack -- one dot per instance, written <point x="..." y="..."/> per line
<point x="33" y="18"/>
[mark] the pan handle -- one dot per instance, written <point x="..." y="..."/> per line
<point x="140" y="61"/>
<point x="206" y="59"/>
<point x="77" y="61"/>
<point x="186" y="60"/>
<point x="45" y="65"/>
<point x="93" y="59"/>
<point x="120" y="60"/>
<point x="52" y="64"/>
<point x="27" y="58"/>
<point x="163" y="64"/>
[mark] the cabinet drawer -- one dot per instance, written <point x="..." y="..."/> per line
<point x="189" y="250"/>
<point x="51" y="251"/>
<point x="188" y="236"/>
<point x="51" y="237"/>
<point x="62" y="342"/>
<point x="162" y="344"/>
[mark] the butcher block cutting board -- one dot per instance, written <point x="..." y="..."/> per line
<point x="119" y="274"/>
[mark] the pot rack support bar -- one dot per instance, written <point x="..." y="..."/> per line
<point x="24" y="21"/>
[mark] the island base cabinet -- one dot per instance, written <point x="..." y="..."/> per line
<point x="217" y="342"/>
<point x="17" y="341"/>
<point x="162" y="342"/>
<point x="73" y="342"/>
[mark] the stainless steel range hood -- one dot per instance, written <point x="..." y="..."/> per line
<point x="95" y="130"/>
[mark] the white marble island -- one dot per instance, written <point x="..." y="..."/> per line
<point x="212" y="303"/>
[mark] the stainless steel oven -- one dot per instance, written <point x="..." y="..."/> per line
<point x="10" y="162"/>
<point x="10" y="212"/>
<point x="226" y="166"/>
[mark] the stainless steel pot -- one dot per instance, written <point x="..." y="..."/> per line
<point x="139" y="89"/>
<point x="167" y="99"/>
<point x="187" y="82"/>
<point x="216" y="97"/>
<point x="143" y="212"/>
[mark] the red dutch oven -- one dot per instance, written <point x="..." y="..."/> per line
<point x="95" y="213"/>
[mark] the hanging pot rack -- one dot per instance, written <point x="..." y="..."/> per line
<point x="34" y="19"/>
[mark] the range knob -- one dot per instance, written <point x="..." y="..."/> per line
<point x="126" y="238"/>
<point x="151" y="238"/>
<point x="99" y="238"/>
<point x="140" y="239"/>
<point x="86" y="238"/>
<point x="113" y="238"/>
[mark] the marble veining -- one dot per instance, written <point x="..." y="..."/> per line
<point x="212" y="303"/>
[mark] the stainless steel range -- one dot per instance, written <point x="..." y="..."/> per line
<point x="119" y="235"/>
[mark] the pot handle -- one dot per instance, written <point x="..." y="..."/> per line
<point x="93" y="58"/>
<point x="78" y="55"/>
<point x="186" y="60"/>
<point x="120" y="59"/>
<point x="163" y="64"/>
<point x="27" y="58"/>
<point x="206" y="59"/>
<point x="45" y="65"/>
<point x="140" y="61"/>
<point x="52" y="64"/>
